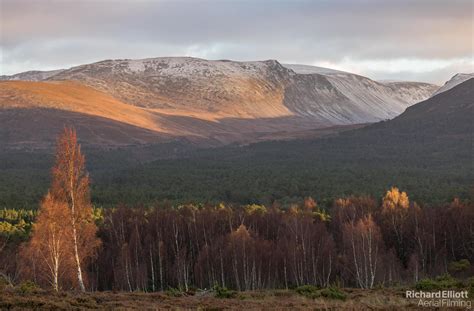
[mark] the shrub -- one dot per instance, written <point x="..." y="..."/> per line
<point x="458" y="266"/>
<point x="308" y="291"/>
<point x="222" y="292"/>
<point x="470" y="285"/>
<point x="174" y="292"/>
<point x="470" y="282"/>
<point x="333" y="293"/>
<point x="426" y="284"/>
<point x="27" y="287"/>
<point x="441" y="282"/>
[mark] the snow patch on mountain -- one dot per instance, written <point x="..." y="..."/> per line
<point x="306" y="69"/>
<point x="34" y="75"/>
<point x="371" y="100"/>
<point x="455" y="80"/>
<point x="184" y="67"/>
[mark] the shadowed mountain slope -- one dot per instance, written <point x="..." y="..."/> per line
<point x="443" y="115"/>
<point x="25" y="128"/>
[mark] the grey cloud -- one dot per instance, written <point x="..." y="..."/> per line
<point x="438" y="76"/>
<point x="60" y="33"/>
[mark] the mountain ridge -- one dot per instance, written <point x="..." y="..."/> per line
<point x="153" y="82"/>
<point x="220" y="100"/>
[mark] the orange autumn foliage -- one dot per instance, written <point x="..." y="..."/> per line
<point x="64" y="236"/>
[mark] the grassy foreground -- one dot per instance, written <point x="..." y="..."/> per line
<point x="356" y="299"/>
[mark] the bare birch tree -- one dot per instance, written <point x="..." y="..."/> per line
<point x="50" y="245"/>
<point x="70" y="186"/>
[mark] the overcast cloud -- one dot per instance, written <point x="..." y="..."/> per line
<point x="406" y="40"/>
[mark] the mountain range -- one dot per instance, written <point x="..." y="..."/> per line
<point x="123" y="102"/>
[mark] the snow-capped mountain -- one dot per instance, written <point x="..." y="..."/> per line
<point x="223" y="88"/>
<point x="222" y="100"/>
<point x="455" y="80"/>
<point x="262" y="89"/>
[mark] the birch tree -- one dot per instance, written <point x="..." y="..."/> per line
<point x="363" y="243"/>
<point x="70" y="186"/>
<point x="50" y="245"/>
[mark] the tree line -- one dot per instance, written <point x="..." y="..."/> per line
<point x="358" y="242"/>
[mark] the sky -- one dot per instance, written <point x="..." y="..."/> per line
<point x="425" y="40"/>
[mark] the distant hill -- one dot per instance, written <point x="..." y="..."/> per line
<point x="208" y="102"/>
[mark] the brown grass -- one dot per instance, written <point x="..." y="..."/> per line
<point x="75" y="97"/>
<point x="379" y="299"/>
